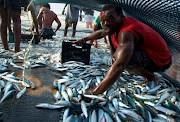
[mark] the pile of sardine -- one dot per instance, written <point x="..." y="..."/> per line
<point x="128" y="99"/>
<point x="10" y="84"/>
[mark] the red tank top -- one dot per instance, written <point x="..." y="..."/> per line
<point x="147" y="39"/>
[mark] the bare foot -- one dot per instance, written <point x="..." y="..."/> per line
<point x="95" y="44"/>
<point x="157" y="77"/>
<point x="6" y="49"/>
<point x="105" y="41"/>
<point x="91" y="42"/>
<point x="19" y="50"/>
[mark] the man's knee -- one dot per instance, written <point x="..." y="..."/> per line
<point x="15" y="16"/>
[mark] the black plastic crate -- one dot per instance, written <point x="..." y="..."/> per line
<point x="72" y="52"/>
<point x="28" y="37"/>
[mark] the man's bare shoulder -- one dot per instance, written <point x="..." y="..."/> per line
<point x="53" y="14"/>
<point x="42" y="9"/>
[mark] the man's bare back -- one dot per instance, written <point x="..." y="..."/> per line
<point x="46" y="17"/>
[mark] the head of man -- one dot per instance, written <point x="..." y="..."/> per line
<point x="46" y="5"/>
<point x="111" y="17"/>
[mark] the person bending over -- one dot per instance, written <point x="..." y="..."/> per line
<point x="46" y="17"/>
<point x="135" y="47"/>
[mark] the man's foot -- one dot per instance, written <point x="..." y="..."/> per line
<point x="157" y="77"/>
<point x="105" y="41"/>
<point x="95" y="44"/>
<point x="17" y="50"/>
<point x="6" y="49"/>
<point x="91" y="42"/>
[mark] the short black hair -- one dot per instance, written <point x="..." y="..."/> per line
<point x="109" y="6"/>
<point x="46" y="5"/>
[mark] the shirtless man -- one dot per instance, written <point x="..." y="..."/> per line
<point x="46" y="18"/>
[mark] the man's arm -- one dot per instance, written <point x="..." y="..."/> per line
<point x="34" y="17"/>
<point x="80" y="16"/>
<point x="95" y="35"/>
<point x="39" y="17"/>
<point x="112" y="50"/>
<point x="59" y="24"/>
<point x="123" y="54"/>
<point x="95" y="27"/>
<point x="64" y="9"/>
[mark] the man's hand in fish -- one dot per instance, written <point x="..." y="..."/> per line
<point x="90" y="92"/>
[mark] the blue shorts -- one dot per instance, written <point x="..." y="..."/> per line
<point x="141" y="59"/>
<point x="47" y="33"/>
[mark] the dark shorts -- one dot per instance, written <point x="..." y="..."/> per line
<point x="141" y="59"/>
<point x="47" y="33"/>
<point x="14" y="5"/>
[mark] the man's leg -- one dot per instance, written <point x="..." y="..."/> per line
<point x="143" y="72"/>
<point x="95" y="43"/>
<point x="3" y="27"/>
<point x="66" y="28"/>
<point x="105" y="40"/>
<point x="141" y="64"/>
<point x="90" y="24"/>
<point x="17" y="28"/>
<point x="9" y="25"/>
<point x="173" y="71"/>
<point x="74" y="29"/>
<point x="87" y="26"/>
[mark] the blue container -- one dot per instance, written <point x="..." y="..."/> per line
<point x="11" y="38"/>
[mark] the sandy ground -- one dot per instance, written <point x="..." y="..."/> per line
<point x="24" y="109"/>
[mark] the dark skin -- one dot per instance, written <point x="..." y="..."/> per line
<point x="16" y="27"/>
<point x="111" y="22"/>
<point x="68" y="23"/>
<point x="46" y="17"/>
<point x="95" y="28"/>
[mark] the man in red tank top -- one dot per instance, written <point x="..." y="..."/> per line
<point x="135" y="47"/>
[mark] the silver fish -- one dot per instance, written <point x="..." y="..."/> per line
<point x="163" y="98"/>
<point x="69" y="118"/>
<point x="95" y="97"/>
<point x="108" y="117"/>
<point x="65" y="115"/>
<point x="20" y="93"/>
<point x="7" y="95"/>
<point x="48" y="106"/>
<point x="100" y="114"/>
<point x="84" y="109"/>
<point x="94" y="116"/>
<point x="65" y="95"/>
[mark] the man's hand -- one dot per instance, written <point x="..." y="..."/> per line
<point x="80" y="41"/>
<point x="90" y="92"/>
<point x="63" y="12"/>
<point x="80" y="18"/>
<point x="54" y="34"/>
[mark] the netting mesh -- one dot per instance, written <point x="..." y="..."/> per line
<point x="161" y="15"/>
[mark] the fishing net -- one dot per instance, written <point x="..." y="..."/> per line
<point x="161" y="15"/>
